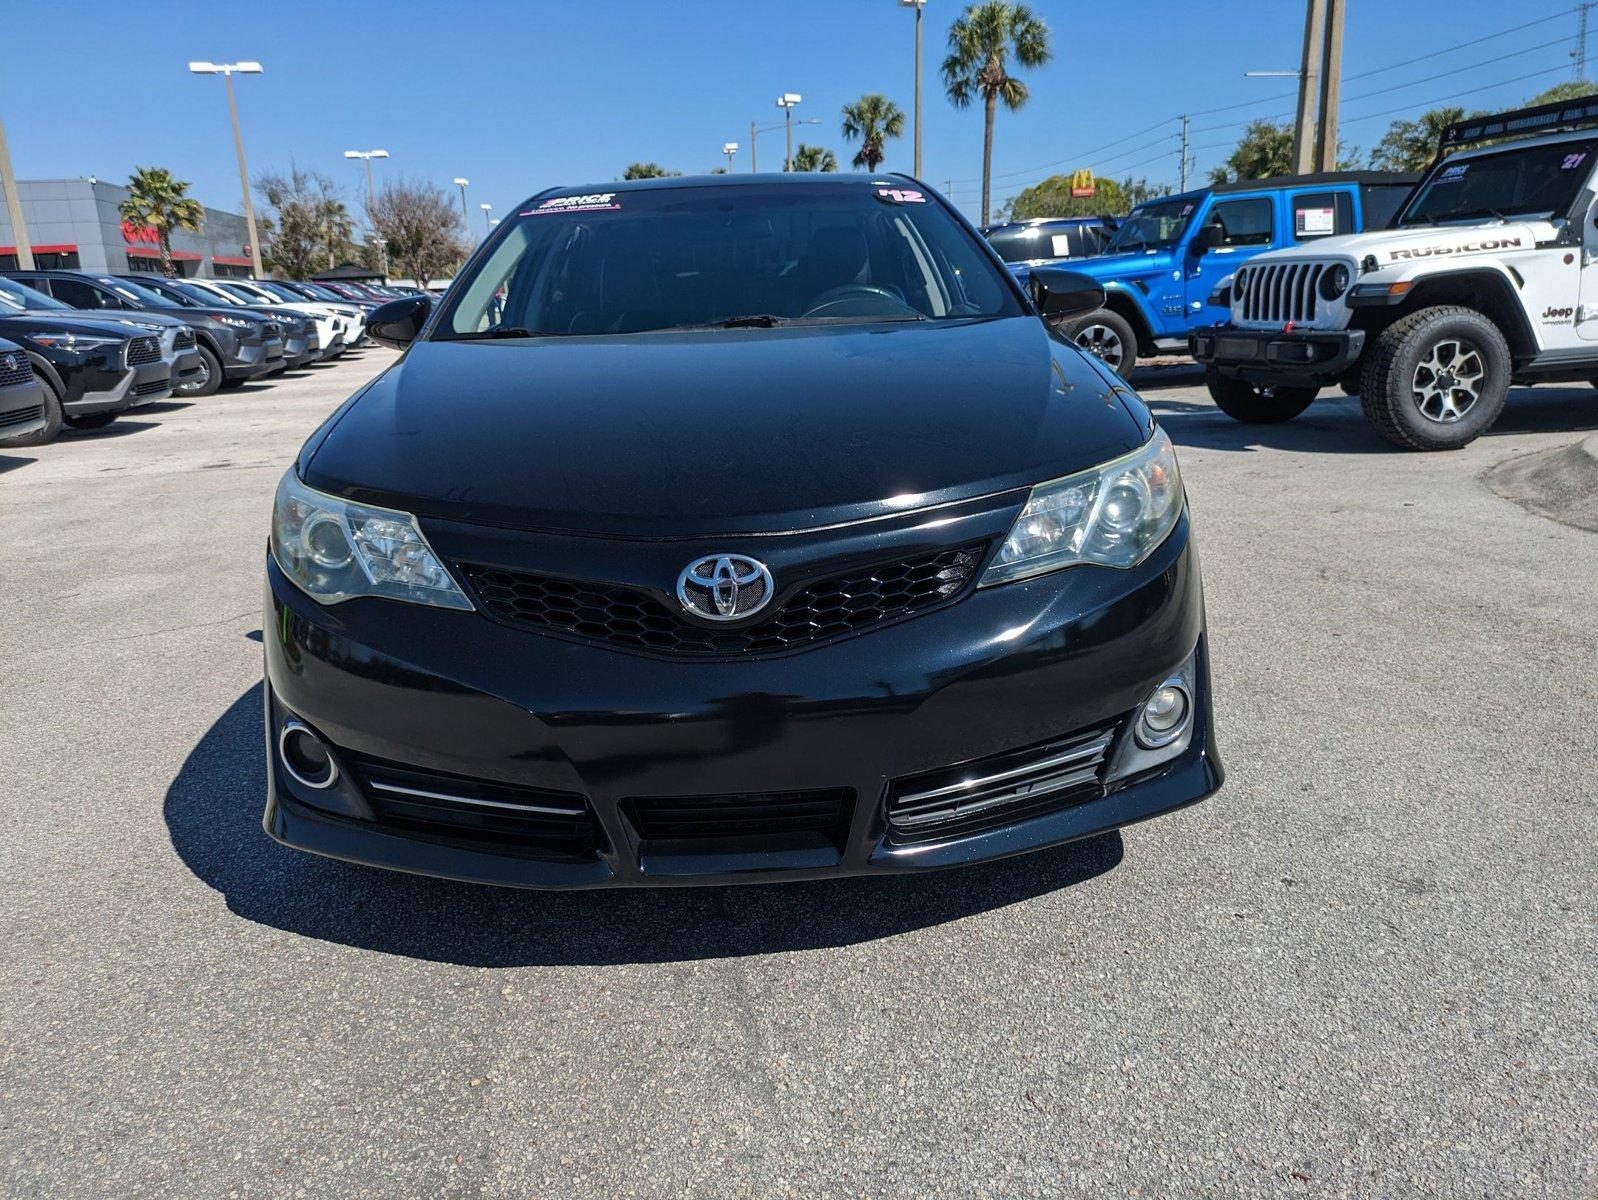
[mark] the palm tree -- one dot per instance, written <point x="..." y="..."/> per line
<point x="161" y="202"/>
<point x="873" y="119"/>
<point x="981" y="41"/>
<point x="814" y="158"/>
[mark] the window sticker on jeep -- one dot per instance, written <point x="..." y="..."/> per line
<point x="1061" y="244"/>
<point x="1314" y="220"/>
<point x="1453" y="174"/>
<point x="1572" y="161"/>
<point x="1186" y="209"/>
<point x="591" y="202"/>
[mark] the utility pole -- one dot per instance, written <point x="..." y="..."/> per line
<point x="1183" y="171"/>
<point x="1308" y="87"/>
<point x="1331" y="84"/>
<point x="754" y="150"/>
<point x="918" y="5"/>
<point x="19" y="227"/>
<point x="786" y="102"/>
<point x="1579" y="54"/>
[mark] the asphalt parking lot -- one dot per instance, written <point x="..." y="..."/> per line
<point x="1368" y="967"/>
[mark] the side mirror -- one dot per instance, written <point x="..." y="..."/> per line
<point x="1061" y="294"/>
<point x="1206" y="239"/>
<point x="398" y="322"/>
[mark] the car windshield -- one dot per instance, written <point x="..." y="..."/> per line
<point x="140" y="295"/>
<point x="315" y="292"/>
<point x="282" y="293"/>
<point x="1158" y="224"/>
<point x="726" y="256"/>
<point x="1529" y="181"/>
<point x="15" y="296"/>
<point x="169" y="290"/>
<point x="242" y="294"/>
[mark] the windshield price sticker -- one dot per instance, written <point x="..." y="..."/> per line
<point x="901" y="196"/>
<point x="592" y="202"/>
<point x="1572" y="161"/>
<point x="1186" y="209"/>
<point x="1454" y="173"/>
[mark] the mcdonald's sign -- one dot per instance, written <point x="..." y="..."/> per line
<point x="1082" y="183"/>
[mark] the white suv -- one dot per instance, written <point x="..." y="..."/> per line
<point x="1487" y="275"/>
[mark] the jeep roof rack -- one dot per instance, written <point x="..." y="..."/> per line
<point x="1558" y="117"/>
<point x="1407" y="178"/>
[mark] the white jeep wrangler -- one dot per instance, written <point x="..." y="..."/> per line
<point x="1487" y="275"/>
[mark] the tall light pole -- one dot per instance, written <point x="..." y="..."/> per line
<point x="756" y="129"/>
<point x="918" y="5"/>
<point x="227" y="70"/>
<point x="466" y="215"/>
<point x="487" y="208"/>
<point x="729" y="149"/>
<point x="786" y="102"/>
<point x="368" y="155"/>
<point x="19" y="227"/>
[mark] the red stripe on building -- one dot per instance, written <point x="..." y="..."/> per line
<point x="64" y="248"/>
<point x="231" y="261"/>
<point x="147" y="252"/>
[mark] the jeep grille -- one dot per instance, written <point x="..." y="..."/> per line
<point x="1276" y="293"/>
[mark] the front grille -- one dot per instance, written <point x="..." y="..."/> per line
<point x="21" y="416"/>
<point x="14" y="370"/>
<point x="1276" y="293"/>
<point x="184" y="340"/>
<point x="271" y="329"/>
<point x="765" y="821"/>
<point x="152" y="387"/>
<point x="993" y="792"/>
<point x="143" y="350"/>
<point x="480" y="813"/>
<point x="637" y="619"/>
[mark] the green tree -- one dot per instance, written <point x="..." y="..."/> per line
<point x="1052" y="198"/>
<point x="1265" y="150"/>
<point x="872" y="120"/>
<point x="305" y="226"/>
<point x="982" y="41"/>
<point x="1571" y="89"/>
<point x="158" y="200"/>
<point x="814" y="158"/>
<point x="647" y="170"/>
<point x="1411" y="145"/>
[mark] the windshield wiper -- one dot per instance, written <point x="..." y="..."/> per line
<point x="499" y="331"/>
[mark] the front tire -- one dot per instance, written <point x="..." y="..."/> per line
<point x="1436" y="379"/>
<point x="1256" y="404"/>
<point x="1107" y="335"/>
<point x="207" y="384"/>
<point x="52" y="419"/>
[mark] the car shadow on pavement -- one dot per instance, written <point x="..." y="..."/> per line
<point x="10" y="462"/>
<point x="213" y="814"/>
<point x="121" y="427"/>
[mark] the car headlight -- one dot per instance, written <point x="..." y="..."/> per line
<point x="336" y="550"/>
<point x="236" y="322"/>
<point x="1114" y="515"/>
<point x="1334" y="281"/>
<point x="76" y="342"/>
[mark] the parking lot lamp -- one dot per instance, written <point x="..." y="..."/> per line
<point x="487" y="208"/>
<point x="786" y="102"/>
<point x="756" y="129"/>
<point x="227" y="71"/>
<point x="729" y="149"/>
<point x="918" y="5"/>
<point x="368" y="155"/>
<point x="465" y="212"/>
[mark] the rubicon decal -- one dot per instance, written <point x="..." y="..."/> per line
<point x="1509" y="243"/>
<point x="591" y="202"/>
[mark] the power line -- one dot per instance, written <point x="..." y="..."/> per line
<point x="1075" y="158"/>
<point x="1486" y="37"/>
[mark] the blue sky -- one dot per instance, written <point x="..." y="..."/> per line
<point x="518" y="96"/>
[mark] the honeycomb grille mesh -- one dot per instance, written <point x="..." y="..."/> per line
<point x="636" y="619"/>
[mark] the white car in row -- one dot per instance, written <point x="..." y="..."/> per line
<point x="336" y="330"/>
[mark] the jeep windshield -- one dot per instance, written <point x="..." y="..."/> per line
<point x="725" y="256"/>
<point x="1156" y="225"/>
<point x="1531" y="181"/>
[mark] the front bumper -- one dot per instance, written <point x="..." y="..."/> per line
<point x="143" y="384"/>
<point x="21" y="409"/>
<point x="462" y="697"/>
<point x="1297" y="358"/>
<point x="251" y="359"/>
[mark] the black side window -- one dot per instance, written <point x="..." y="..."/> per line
<point x="79" y="294"/>
<point x="1382" y="202"/>
<point x="1322" y="214"/>
<point x="1242" y="222"/>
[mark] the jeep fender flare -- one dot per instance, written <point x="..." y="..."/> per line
<point x="1131" y="304"/>
<point x="1490" y="289"/>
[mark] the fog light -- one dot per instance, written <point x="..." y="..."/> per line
<point x="306" y="757"/>
<point x="1164" y="716"/>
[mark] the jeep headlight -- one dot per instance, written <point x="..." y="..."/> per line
<point x="1334" y="281"/>
<point x="1114" y="515"/>
<point x="336" y="550"/>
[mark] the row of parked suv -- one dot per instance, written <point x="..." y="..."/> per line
<point x="79" y="348"/>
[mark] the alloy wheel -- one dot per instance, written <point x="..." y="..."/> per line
<point x="198" y="382"/>
<point x="1102" y="341"/>
<point x="1449" y="380"/>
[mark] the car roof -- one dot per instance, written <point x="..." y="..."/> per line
<point x="1392" y="178"/>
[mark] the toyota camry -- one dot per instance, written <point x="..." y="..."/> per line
<point x="732" y="528"/>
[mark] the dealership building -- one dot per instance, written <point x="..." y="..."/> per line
<point x="75" y="223"/>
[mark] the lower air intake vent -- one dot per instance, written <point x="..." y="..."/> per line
<point x="479" y="813"/>
<point x="742" y="822"/>
<point x="21" y="416"/>
<point x="993" y="792"/>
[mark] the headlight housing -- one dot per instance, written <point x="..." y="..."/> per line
<point x="336" y="550"/>
<point x="236" y="322"/>
<point x="1335" y="280"/>
<point x="1114" y="515"/>
<point x="78" y="343"/>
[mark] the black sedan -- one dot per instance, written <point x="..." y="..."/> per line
<point x="732" y="528"/>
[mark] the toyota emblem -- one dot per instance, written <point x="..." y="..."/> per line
<point x="725" y="587"/>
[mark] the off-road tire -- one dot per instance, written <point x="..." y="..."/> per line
<point x="1256" y="404"/>
<point x="52" y="419"/>
<point x="1111" y="327"/>
<point x="1387" y="380"/>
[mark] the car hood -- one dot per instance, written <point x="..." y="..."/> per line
<point x="1104" y="266"/>
<point x="1417" y="242"/>
<point x="726" y="431"/>
<point x="39" y="320"/>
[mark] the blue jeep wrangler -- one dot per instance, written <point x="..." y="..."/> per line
<point x="1169" y="254"/>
